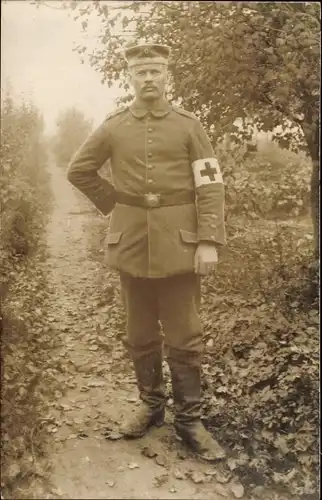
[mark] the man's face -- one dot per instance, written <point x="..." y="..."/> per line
<point x="149" y="81"/>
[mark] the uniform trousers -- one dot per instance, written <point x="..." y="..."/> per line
<point x="162" y="311"/>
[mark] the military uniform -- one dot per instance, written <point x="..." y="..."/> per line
<point x="167" y="196"/>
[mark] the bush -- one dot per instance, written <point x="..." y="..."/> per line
<point x="25" y="200"/>
<point x="267" y="262"/>
<point x="261" y="372"/>
<point x="23" y="180"/>
<point x="269" y="182"/>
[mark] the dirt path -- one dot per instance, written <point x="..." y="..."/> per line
<point x="97" y="385"/>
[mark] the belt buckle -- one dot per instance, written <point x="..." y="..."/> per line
<point x="152" y="200"/>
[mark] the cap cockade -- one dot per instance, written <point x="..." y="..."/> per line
<point x="149" y="53"/>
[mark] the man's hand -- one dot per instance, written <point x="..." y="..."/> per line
<point x="206" y="258"/>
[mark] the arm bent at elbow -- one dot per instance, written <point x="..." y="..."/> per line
<point x="83" y="171"/>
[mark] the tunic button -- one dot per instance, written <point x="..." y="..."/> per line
<point x="213" y="226"/>
<point x="149" y="141"/>
<point x="150" y="129"/>
<point x="150" y="181"/>
<point x="149" y="155"/>
<point x="150" y="167"/>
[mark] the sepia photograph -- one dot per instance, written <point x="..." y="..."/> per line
<point x="160" y="250"/>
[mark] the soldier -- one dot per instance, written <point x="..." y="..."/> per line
<point x="167" y="222"/>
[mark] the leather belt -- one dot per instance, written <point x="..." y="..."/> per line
<point x="155" y="200"/>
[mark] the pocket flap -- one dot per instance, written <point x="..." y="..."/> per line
<point x="188" y="237"/>
<point x="113" y="238"/>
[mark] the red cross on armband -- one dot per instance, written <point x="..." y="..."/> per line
<point x="206" y="171"/>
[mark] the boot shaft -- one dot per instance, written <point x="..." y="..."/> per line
<point x="186" y="384"/>
<point x="149" y="376"/>
<point x="148" y="370"/>
<point x="186" y="387"/>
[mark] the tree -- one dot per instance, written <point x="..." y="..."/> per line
<point x="258" y="61"/>
<point x="72" y="130"/>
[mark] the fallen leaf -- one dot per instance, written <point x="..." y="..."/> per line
<point x="99" y="383"/>
<point x="161" y="460"/>
<point x="148" y="452"/>
<point x="221" y="490"/>
<point x="113" y="436"/>
<point x="110" y="483"/>
<point x="258" y="491"/>
<point x="40" y="471"/>
<point x="182" y="454"/>
<point x="65" y="407"/>
<point x="221" y="478"/>
<point x="57" y="491"/>
<point x="232" y="464"/>
<point x="13" y="471"/>
<point x="210" y="472"/>
<point x="267" y="435"/>
<point x="178" y="474"/>
<point x="237" y="489"/>
<point x="284" y="478"/>
<point x="160" y="480"/>
<point x="133" y="465"/>
<point x="82" y="435"/>
<point x="198" y="477"/>
<point x="222" y="389"/>
<point x="281" y="443"/>
<point x="172" y="490"/>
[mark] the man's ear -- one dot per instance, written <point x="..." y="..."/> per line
<point x="129" y="77"/>
<point x="169" y="81"/>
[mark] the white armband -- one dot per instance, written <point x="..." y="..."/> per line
<point x="206" y="171"/>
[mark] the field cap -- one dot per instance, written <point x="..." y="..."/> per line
<point x="147" y="53"/>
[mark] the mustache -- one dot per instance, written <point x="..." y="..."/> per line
<point x="149" y="87"/>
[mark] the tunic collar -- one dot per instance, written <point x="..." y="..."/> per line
<point x="139" y="111"/>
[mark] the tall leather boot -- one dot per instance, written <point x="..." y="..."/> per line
<point x="148" y="370"/>
<point x="186" y="386"/>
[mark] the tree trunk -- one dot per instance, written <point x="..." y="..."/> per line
<point x="313" y="142"/>
<point x="315" y="202"/>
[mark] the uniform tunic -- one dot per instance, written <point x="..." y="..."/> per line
<point x="152" y="152"/>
